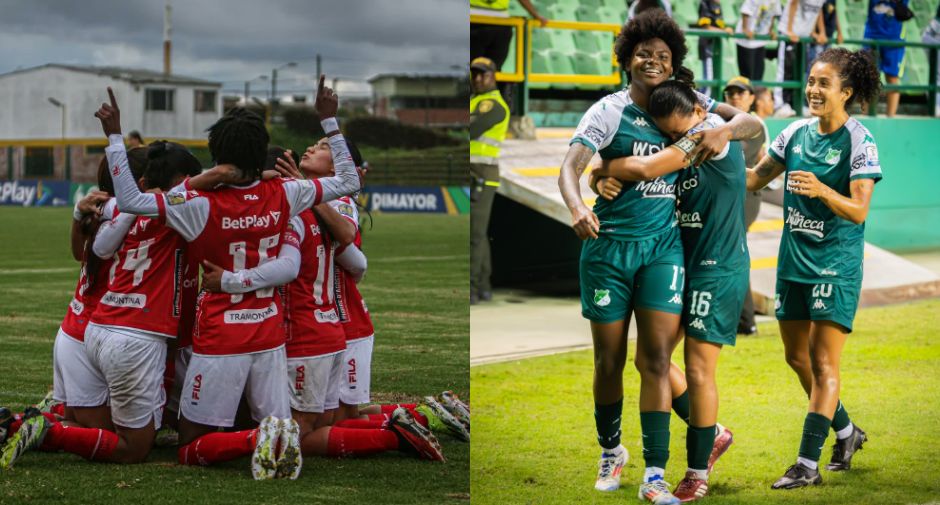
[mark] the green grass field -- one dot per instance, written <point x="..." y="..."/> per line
<point x="534" y="439"/>
<point x="416" y="289"/>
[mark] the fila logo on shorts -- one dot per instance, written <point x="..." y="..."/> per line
<point x="697" y="324"/>
<point x="197" y="385"/>
<point x="676" y="299"/>
<point x="351" y="378"/>
<point x="299" y="381"/>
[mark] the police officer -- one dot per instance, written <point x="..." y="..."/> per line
<point x="489" y="118"/>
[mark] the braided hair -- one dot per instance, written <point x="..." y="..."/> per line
<point x="857" y="70"/>
<point x="241" y="139"/>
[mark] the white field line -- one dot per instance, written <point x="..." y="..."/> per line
<point x="18" y="271"/>
<point x="403" y="259"/>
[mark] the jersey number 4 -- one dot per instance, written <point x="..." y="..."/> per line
<point x="136" y="260"/>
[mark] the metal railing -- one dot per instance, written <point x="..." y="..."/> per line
<point x="523" y="61"/>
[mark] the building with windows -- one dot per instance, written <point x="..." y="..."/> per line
<point x="48" y="129"/>
<point x="431" y="100"/>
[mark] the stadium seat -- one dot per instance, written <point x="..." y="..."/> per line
<point x="561" y="62"/>
<point x="541" y="63"/>
<point x="587" y="62"/>
<point x="562" y="12"/>
<point x="591" y="42"/>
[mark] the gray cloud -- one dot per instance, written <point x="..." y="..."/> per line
<point x="235" y="40"/>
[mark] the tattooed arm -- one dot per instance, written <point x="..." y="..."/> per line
<point x="583" y="220"/>
<point x="740" y="126"/>
<point x="767" y="169"/>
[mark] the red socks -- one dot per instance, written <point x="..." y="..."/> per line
<point x="363" y="424"/>
<point x="218" y="447"/>
<point x="58" y="409"/>
<point x="18" y="421"/>
<point x="388" y="409"/>
<point x="345" y="442"/>
<point x="89" y="443"/>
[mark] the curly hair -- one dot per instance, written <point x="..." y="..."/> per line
<point x="241" y="139"/>
<point x="650" y="24"/>
<point x="857" y="70"/>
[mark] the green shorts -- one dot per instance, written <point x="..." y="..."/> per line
<point x="618" y="276"/>
<point x="796" y="301"/>
<point x="713" y="307"/>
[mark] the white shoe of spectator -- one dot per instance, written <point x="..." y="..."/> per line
<point x="784" y="111"/>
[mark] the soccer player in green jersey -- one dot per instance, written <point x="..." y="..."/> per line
<point x="713" y="232"/>
<point x="831" y="163"/>
<point x="633" y="262"/>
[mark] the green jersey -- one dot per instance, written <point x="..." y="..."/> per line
<point x="817" y="246"/>
<point x="615" y="127"/>
<point x="711" y="212"/>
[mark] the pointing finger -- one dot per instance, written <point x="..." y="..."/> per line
<point x="111" y="96"/>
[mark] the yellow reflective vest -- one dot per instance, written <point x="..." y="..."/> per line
<point x="493" y="5"/>
<point x="485" y="149"/>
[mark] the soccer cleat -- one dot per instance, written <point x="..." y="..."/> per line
<point x="6" y="419"/>
<point x="444" y="418"/>
<point x="657" y="493"/>
<point x="415" y="437"/>
<point x="610" y="466"/>
<point x="691" y="488"/>
<point x="264" y="458"/>
<point x="457" y="408"/>
<point x="723" y="440"/>
<point x="46" y="404"/>
<point x="843" y="450"/>
<point x="798" y="476"/>
<point x="290" y="460"/>
<point x="29" y="436"/>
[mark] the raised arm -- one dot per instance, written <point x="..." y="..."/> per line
<point x="583" y="220"/>
<point x="767" y="169"/>
<point x="87" y="207"/>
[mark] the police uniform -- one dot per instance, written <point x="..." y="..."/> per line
<point x="489" y="115"/>
<point x="714" y="242"/>
<point x="636" y="261"/>
<point x="819" y="270"/>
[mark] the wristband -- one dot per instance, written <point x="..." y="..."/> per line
<point x="329" y="125"/>
<point x="685" y="144"/>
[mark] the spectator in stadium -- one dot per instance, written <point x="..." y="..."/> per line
<point x="709" y="18"/>
<point x="932" y="36"/>
<point x="763" y="102"/>
<point x="639" y="6"/>
<point x="740" y="94"/>
<point x="489" y="119"/>
<point x="757" y="18"/>
<point x="831" y="164"/>
<point x="884" y="23"/>
<point x="134" y="140"/>
<point x="801" y="18"/>
<point x="831" y="22"/>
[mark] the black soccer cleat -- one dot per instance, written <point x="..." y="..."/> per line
<point x="843" y="450"/>
<point x="798" y="476"/>
<point x="6" y="419"/>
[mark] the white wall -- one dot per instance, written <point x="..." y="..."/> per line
<point x="25" y="111"/>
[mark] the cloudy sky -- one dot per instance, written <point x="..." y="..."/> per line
<point x="232" y="41"/>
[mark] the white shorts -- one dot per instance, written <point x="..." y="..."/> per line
<point x="132" y="364"/>
<point x="357" y="371"/>
<point x="181" y="363"/>
<point x="214" y="384"/>
<point x="314" y="382"/>
<point x="75" y="381"/>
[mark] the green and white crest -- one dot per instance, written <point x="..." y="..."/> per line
<point x="833" y="156"/>
<point x="602" y="297"/>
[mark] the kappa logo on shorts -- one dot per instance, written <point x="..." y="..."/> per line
<point x="697" y="324"/>
<point x="602" y="297"/>
<point x="676" y="299"/>
<point x="819" y="305"/>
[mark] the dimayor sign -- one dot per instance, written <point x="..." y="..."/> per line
<point x="28" y="193"/>
<point x="441" y="199"/>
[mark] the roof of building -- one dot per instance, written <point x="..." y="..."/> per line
<point x="417" y="75"/>
<point x="133" y="75"/>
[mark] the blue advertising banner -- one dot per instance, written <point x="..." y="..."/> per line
<point x="406" y="199"/>
<point x="27" y="193"/>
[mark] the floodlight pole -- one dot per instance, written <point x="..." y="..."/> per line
<point x="66" y="149"/>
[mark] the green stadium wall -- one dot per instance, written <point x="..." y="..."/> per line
<point x="905" y="208"/>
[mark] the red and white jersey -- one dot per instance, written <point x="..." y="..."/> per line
<point x="188" y="299"/>
<point x="85" y="300"/>
<point x="235" y="228"/>
<point x="313" y="326"/>
<point x="353" y="311"/>
<point x="145" y="281"/>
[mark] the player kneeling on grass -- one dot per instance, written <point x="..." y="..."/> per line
<point x="125" y="341"/>
<point x="711" y="221"/>
<point x="831" y="162"/>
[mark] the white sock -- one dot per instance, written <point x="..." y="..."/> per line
<point x="812" y="465"/>
<point x="652" y="473"/>
<point x="845" y="432"/>
<point x="699" y="474"/>
<point x="616" y="451"/>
